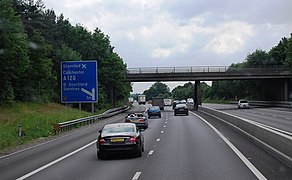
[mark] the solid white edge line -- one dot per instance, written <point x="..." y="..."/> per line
<point x="253" y="169"/>
<point x="136" y="176"/>
<point x="55" y="161"/>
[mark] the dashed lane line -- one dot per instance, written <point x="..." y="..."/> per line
<point x="136" y="176"/>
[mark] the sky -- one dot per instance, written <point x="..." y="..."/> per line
<point x="175" y="33"/>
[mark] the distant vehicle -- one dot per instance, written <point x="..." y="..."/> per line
<point x="183" y="101"/>
<point x="119" y="137"/>
<point x="131" y="99"/>
<point x="140" y="119"/>
<point x="154" y="111"/>
<point x="181" y="109"/>
<point x="167" y="102"/>
<point x="158" y="101"/>
<point x="190" y="101"/>
<point x="243" y="104"/>
<point x="142" y="99"/>
<point x="175" y="102"/>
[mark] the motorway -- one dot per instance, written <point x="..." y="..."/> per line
<point x="280" y="118"/>
<point x="176" y="147"/>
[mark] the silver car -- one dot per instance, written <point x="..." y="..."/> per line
<point x="243" y="104"/>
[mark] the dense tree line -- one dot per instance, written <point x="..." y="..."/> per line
<point x="280" y="55"/>
<point x="33" y="42"/>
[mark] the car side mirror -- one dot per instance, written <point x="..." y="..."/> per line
<point x="100" y="131"/>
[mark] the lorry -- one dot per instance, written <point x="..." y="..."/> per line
<point x="142" y="99"/>
<point x="167" y="102"/>
<point x="158" y="101"/>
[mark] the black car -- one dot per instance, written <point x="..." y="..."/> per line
<point x="119" y="137"/>
<point x="181" y="109"/>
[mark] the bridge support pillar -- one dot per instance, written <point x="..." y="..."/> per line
<point x="197" y="97"/>
<point x="286" y="90"/>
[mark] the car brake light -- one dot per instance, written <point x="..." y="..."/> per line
<point x="133" y="139"/>
<point x="141" y="119"/>
<point x="102" y="141"/>
<point x="127" y="120"/>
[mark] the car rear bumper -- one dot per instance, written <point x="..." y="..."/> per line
<point x="154" y="114"/>
<point x="118" y="148"/>
<point x="181" y="112"/>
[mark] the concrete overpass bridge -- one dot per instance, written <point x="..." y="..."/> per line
<point x="211" y="73"/>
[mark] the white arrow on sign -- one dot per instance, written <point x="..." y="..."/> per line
<point x="92" y="93"/>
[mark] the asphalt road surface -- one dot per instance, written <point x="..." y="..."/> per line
<point x="176" y="147"/>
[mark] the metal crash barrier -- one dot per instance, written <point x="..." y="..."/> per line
<point x="68" y="125"/>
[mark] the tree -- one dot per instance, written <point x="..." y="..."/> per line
<point x="288" y="60"/>
<point x="257" y="58"/>
<point x="183" y="92"/>
<point x="14" y="60"/>
<point x="158" y="89"/>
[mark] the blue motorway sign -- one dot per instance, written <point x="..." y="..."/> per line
<point x="78" y="81"/>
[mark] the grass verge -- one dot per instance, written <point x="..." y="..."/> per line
<point x="37" y="121"/>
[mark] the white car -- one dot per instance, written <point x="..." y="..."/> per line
<point x="243" y="104"/>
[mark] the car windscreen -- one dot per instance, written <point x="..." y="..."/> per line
<point x="243" y="101"/>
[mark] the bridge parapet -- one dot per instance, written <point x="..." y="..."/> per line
<point x="204" y="69"/>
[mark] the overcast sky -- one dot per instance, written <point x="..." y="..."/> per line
<point x="171" y="33"/>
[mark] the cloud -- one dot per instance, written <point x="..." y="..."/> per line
<point x="151" y="33"/>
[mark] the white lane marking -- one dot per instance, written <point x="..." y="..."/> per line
<point x="165" y="122"/>
<point x="253" y="169"/>
<point x="164" y="126"/>
<point x="157" y="140"/>
<point x="288" y="118"/>
<point x="166" y="119"/>
<point x="136" y="176"/>
<point x="151" y="152"/>
<point x="162" y="132"/>
<point x="56" y="161"/>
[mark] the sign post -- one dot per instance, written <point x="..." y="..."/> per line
<point x="79" y="82"/>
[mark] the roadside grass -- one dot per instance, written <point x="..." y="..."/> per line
<point x="37" y="120"/>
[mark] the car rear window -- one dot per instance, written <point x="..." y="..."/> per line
<point x="243" y="101"/>
<point x="154" y="108"/>
<point x="118" y="128"/>
<point x="181" y="105"/>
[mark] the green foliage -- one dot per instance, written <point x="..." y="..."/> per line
<point x="256" y="89"/>
<point x="14" y="60"/>
<point x="158" y="89"/>
<point x="288" y="60"/>
<point x="33" y="42"/>
<point x="183" y="92"/>
<point x="36" y="119"/>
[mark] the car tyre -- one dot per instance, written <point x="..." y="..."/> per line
<point x="159" y="116"/>
<point x="139" y="154"/>
<point x="100" y="155"/>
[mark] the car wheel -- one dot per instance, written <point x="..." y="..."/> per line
<point x="100" y="155"/>
<point x="148" y="117"/>
<point x="187" y="114"/>
<point x="159" y="116"/>
<point x="139" y="154"/>
<point x="175" y="114"/>
<point x="143" y="148"/>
